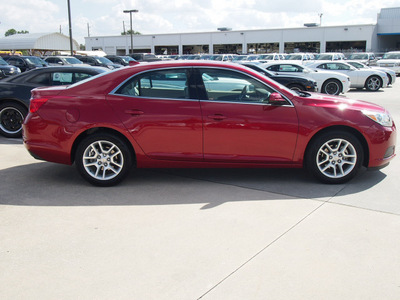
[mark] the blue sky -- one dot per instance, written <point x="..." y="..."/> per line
<point x="106" y="17"/>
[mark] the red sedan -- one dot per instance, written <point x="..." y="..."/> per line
<point x="200" y="115"/>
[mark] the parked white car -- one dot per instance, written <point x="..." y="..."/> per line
<point x="390" y="73"/>
<point x="300" y="58"/>
<point x="270" y="57"/>
<point x="334" y="56"/>
<point x="390" y="60"/>
<point x="370" y="79"/>
<point x="367" y="58"/>
<point x="328" y="82"/>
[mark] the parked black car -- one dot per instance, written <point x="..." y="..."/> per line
<point x="26" y="63"/>
<point x="121" y="60"/>
<point x="98" y="61"/>
<point x="7" y="69"/>
<point x="145" y="57"/>
<point x="292" y="82"/>
<point x="15" y="92"/>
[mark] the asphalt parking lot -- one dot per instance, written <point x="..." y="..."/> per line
<point x="191" y="234"/>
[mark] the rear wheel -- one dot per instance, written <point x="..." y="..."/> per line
<point x="373" y="83"/>
<point x="103" y="159"/>
<point x="331" y="87"/>
<point x="12" y="116"/>
<point x="334" y="157"/>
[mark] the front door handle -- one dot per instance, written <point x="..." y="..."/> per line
<point x="134" y="112"/>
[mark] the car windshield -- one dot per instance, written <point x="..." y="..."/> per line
<point x="252" y="57"/>
<point x="216" y="57"/>
<point x="240" y="57"/>
<point x="391" y="56"/>
<point x="325" y="57"/>
<point x="356" y="64"/>
<point x="358" y="56"/>
<point x="73" y="60"/>
<point x="268" y="56"/>
<point x="36" y="60"/>
<point x="126" y="59"/>
<point x="293" y="57"/>
<point x="104" y="60"/>
<point x="3" y="62"/>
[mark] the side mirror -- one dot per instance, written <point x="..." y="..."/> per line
<point x="276" y="99"/>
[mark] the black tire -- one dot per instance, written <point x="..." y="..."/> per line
<point x="334" y="157"/>
<point x="12" y="116"/>
<point x="389" y="78"/>
<point x="103" y="159"/>
<point x="296" y="87"/>
<point x="332" y="87"/>
<point x="373" y="83"/>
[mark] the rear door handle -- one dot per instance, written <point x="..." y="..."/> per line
<point x="217" y="117"/>
<point x="134" y="112"/>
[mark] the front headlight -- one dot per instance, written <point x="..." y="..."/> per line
<point x="381" y="118"/>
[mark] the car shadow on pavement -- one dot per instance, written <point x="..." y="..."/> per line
<point x="48" y="184"/>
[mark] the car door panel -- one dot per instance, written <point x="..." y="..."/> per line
<point x="249" y="132"/>
<point x="165" y="124"/>
<point x="244" y="127"/>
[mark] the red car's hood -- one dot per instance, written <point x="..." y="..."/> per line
<point x="340" y="102"/>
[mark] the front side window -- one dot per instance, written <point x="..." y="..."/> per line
<point x="289" y="68"/>
<point x="226" y="85"/>
<point x="171" y="84"/>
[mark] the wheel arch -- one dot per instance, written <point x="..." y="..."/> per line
<point x="96" y="130"/>
<point x="373" y="75"/>
<point x="298" y="85"/>
<point x="347" y="129"/>
<point x="14" y="100"/>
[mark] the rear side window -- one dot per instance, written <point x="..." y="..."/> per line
<point x="171" y="84"/>
<point x="59" y="78"/>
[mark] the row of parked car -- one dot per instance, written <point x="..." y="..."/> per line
<point x="332" y="77"/>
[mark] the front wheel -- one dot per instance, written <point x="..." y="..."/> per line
<point x="12" y="116"/>
<point x="334" y="157"/>
<point x="331" y="87"/>
<point x="373" y="83"/>
<point x="103" y="159"/>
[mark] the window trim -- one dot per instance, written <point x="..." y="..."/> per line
<point x="236" y="102"/>
<point x="189" y="79"/>
<point x="195" y="82"/>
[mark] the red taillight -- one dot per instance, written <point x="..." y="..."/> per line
<point x="36" y="104"/>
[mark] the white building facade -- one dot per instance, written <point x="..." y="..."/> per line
<point x="380" y="37"/>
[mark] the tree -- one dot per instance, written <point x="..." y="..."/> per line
<point x="13" y="31"/>
<point x="128" y="32"/>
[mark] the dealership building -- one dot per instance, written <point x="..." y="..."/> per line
<point x="380" y="37"/>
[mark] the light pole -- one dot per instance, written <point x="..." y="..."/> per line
<point x="320" y="18"/>
<point x="130" y="11"/>
<point x="70" y="28"/>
